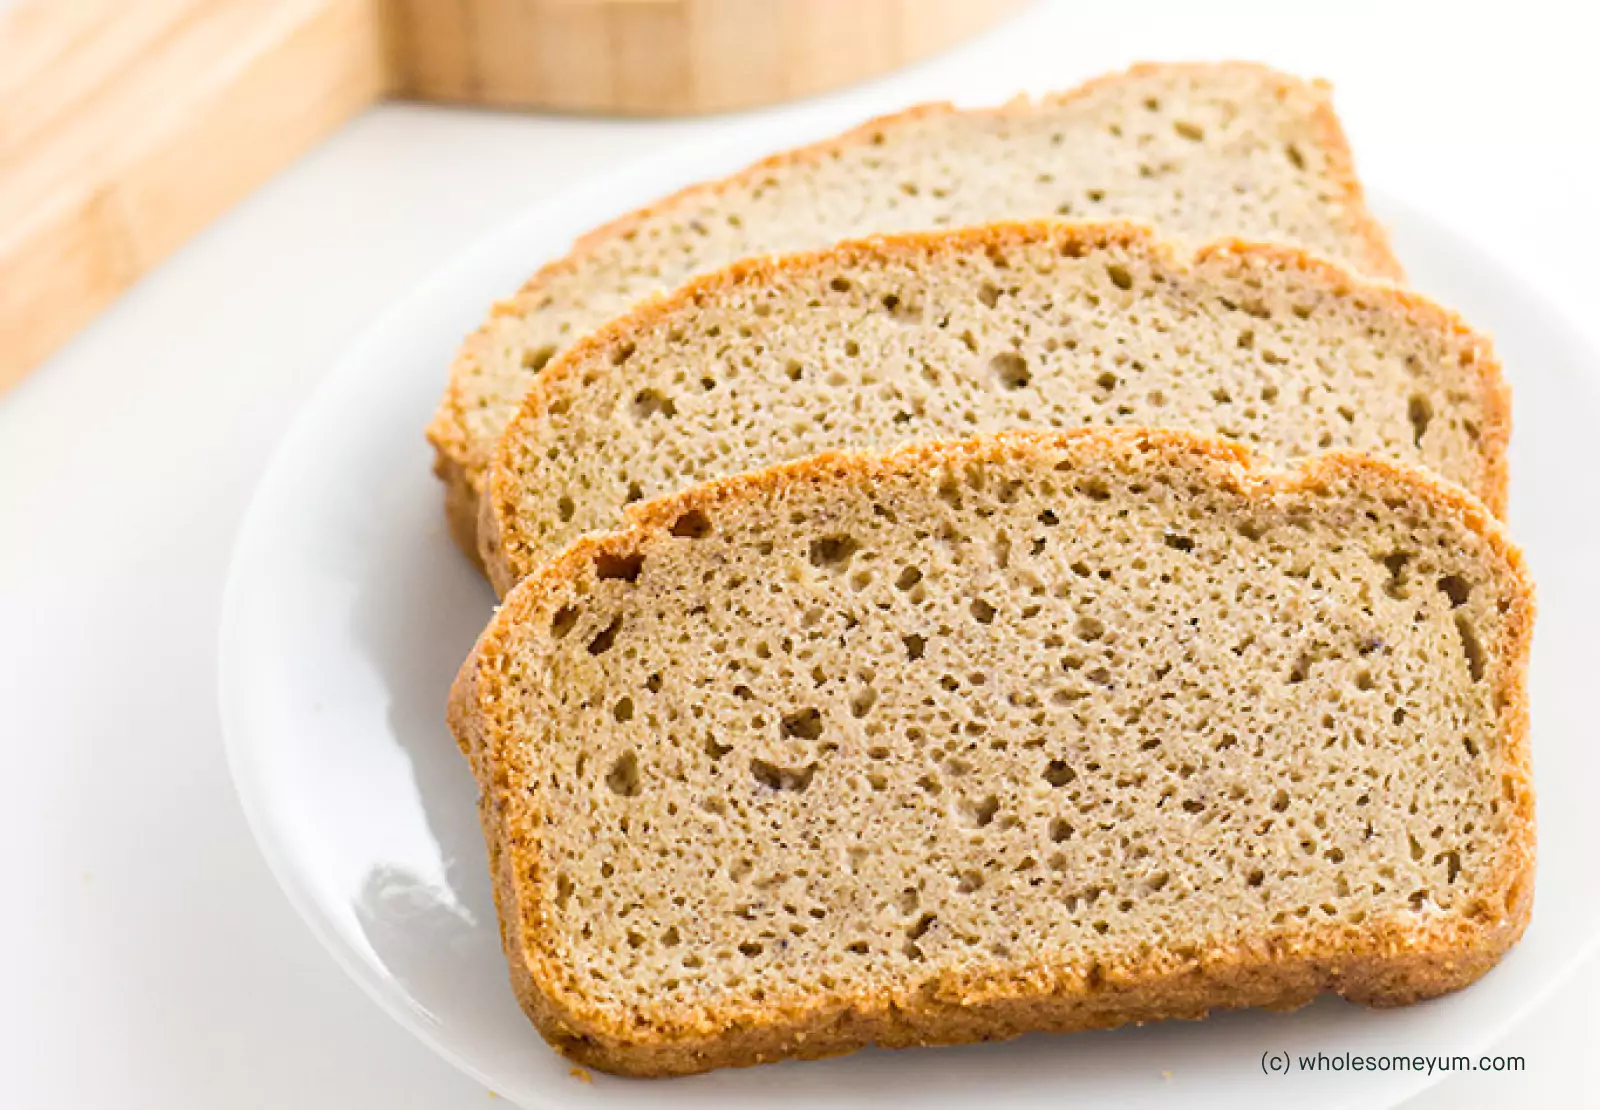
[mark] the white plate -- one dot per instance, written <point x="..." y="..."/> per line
<point x="348" y="611"/>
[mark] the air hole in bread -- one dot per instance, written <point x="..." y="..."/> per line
<point x="607" y="637"/>
<point x="1470" y="647"/>
<point x="652" y="402"/>
<point x="1452" y="862"/>
<point x="1395" y="563"/>
<point x="1010" y="370"/>
<point x="1119" y="275"/>
<point x="833" y="552"/>
<point x="980" y="814"/>
<point x="1419" y="410"/>
<point x="1456" y="588"/>
<point x="806" y="724"/>
<point x="623" y="778"/>
<point x="919" y="928"/>
<point x="692" y="525"/>
<point x="1191" y="131"/>
<point x="776" y="777"/>
<point x="1058" y="773"/>
<point x="624" y="568"/>
<point x="565" y="617"/>
<point x="901" y="309"/>
<point x="538" y="358"/>
<point x="1089" y="629"/>
<point x="862" y="701"/>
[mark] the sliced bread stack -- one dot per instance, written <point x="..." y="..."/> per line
<point x="828" y="706"/>
<point x="1201" y="151"/>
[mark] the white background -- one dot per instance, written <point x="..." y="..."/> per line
<point x="146" y="957"/>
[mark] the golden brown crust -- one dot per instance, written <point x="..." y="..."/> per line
<point x="461" y="451"/>
<point x="506" y="548"/>
<point x="1382" y="963"/>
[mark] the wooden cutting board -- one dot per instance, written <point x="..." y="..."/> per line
<point x="127" y="125"/>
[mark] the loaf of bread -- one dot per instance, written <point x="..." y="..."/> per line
<point x="946" y="334"/>
<point x="1202" y="151"/>
<point x="1041" y="731"/>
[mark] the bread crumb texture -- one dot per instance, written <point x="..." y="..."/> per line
<point x="947" y="335"/>
<point x="1200" y="151"/>
<point x="1038" y="731"/>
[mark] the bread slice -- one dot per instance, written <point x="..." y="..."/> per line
<point x="946" y="334"/>
<point x="1201" y="150"/>
<point x="1040" y="731"/>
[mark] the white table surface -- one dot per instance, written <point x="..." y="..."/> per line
<point x="146" y="958"/>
